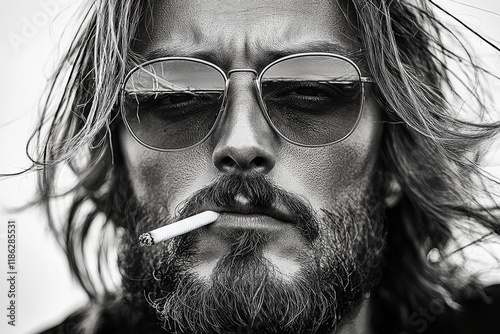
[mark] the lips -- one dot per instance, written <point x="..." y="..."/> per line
<point x="238" y="221"/>
<point x="246" y="216"/>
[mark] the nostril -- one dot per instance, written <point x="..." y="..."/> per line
<point x="228" y="162"/>
<point x="259" y="161"/>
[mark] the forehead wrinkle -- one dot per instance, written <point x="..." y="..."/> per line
<point x="252" y="49"/>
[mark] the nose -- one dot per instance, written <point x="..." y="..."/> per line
<point x="245" y="142"/>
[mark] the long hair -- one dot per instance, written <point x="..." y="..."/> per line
<point x="429" y="147"/>
<point x="432" y="147"/>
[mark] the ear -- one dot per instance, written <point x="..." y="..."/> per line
<point x="393" y="191"/>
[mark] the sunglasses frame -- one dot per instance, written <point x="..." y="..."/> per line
<point x="257" y="81"/>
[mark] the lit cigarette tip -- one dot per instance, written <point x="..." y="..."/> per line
<point x="178" y="228"/>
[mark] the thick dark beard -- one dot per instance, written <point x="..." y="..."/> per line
<point x="246" y="293"/>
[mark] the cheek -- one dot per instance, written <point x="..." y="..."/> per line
<point x="327" y="174"/>
<point x="322" y="175"/>
<point x="164" y="178"/>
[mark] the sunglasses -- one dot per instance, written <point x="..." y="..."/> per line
<point x="309" y="99"/>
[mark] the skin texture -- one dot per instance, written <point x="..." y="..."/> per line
<point x="249" y="34"/>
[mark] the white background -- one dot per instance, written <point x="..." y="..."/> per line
<point x="29" y="32"/>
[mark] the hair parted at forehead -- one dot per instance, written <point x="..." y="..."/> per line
<point x="431" y="147"/>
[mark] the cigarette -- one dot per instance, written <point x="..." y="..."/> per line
<point x="178" y="228"/>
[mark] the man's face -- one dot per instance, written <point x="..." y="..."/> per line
<point x="334" y="189"/>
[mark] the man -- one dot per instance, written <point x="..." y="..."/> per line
<point x="320" y="132"/>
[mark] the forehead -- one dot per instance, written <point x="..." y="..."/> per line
<point x="245" y="33"/>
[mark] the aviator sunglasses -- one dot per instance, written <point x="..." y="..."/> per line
<point x="309" y="99"/>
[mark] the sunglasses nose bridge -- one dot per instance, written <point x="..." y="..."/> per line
<point x="242" y="70"/>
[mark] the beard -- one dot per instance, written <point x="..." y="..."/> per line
<point x="245" y="292"/>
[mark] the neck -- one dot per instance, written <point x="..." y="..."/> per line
<point x="359" y="322"/>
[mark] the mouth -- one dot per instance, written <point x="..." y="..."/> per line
<point x="248" y="217"/>
<point x="239" y="221"/>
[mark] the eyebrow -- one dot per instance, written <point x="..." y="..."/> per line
<point x="266" y="54"/>
<point x="279" y="50"/>
<point x="178" y="51"/>
<point x="283" y="49"/>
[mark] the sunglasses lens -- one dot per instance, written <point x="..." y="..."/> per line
<point x="313" y="99"/>
<point x="172" y="104"/>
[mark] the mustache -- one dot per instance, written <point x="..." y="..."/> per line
<point x="260" y="196"/>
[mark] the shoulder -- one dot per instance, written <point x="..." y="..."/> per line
<point x="478" y="313"/>
<point x="104" y="320"/>
<point x="70" y="325"/>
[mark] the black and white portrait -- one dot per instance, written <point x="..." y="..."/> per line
<point x="229" y="166"/>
